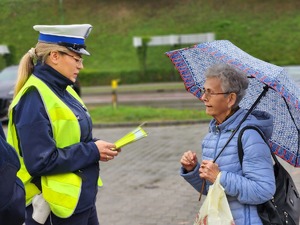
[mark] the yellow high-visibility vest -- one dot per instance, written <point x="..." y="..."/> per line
<point x="61" y="191"/>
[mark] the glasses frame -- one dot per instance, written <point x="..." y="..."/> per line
<point x="209" y="94"/>
<point x="78" y="60"/>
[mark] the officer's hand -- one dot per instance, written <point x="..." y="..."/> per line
<point x="107" y="150"/>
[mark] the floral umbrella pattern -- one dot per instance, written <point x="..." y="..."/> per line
<point x="282" y="99"/>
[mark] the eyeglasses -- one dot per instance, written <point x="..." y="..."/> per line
<point x="208" y="93"/>
<point x="77" y="59"/>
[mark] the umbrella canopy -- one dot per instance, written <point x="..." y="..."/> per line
<point x="282" y="99"/>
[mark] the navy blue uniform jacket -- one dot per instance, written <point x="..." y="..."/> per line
<point x="41" y="156"/>
<point x="12" y="194"/>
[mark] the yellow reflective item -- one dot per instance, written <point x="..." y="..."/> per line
<point x="60" y="191"/>
<point x="63" y="188"/>
<point x="30" y="189"/>
<point x="137" y="134"/>
<point x="114" y="83"/>
<point x="100" y="182"/>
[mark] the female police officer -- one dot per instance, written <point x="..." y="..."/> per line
<point x="51" y="129"/>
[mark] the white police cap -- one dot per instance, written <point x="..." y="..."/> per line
<point x="71" y="36"/>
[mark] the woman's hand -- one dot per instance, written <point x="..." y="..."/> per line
<point x="189" y="160"/>
<point x="209" y="170"/>
<point x="107" y="150"/>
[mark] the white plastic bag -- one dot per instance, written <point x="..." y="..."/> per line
<point x="41" y="209"/>
<point x="215" y="208"/>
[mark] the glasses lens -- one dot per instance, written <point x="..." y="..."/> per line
<point x="207" y="93"/>
<point x="77" y="59"/>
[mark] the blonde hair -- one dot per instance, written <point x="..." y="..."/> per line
<point x="39" y="53"/>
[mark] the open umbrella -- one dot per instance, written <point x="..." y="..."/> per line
<point x="270" y="90"/>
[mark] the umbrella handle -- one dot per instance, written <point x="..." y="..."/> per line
<point x="202" y="189"/>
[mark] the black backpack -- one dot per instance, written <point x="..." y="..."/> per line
<point x="284" y="207"/>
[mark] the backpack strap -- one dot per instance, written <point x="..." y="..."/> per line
<point x="240" y="145"/>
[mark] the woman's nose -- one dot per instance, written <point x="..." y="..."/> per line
<point x="203" y="98"/>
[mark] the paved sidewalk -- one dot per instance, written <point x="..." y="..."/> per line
<point x="142" y="185"/>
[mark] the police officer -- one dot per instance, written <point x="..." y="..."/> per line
<point x="51" y="129"/>
<point x="12" y="194"/>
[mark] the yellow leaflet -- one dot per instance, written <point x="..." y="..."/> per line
<point x="137" y="134"/>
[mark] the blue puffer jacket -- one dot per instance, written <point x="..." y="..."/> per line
<point x="248" y="186"/>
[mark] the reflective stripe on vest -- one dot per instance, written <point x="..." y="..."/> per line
<point x="60" y="191"/>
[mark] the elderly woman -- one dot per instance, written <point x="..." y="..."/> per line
<point x="252" y="183"/>
<point x="51" y="129"/>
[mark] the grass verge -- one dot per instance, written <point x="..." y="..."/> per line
<point x="127" y="114"/>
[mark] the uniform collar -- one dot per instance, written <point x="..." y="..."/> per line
<point x="51" y="76"/>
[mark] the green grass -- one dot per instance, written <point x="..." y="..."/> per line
<point x="127" y="114"/>
<point x="268" y="30"/>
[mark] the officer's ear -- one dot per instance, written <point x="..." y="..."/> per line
<point x="53" y="58"/>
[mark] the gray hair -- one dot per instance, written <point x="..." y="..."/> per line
<point x="232" y="80"/>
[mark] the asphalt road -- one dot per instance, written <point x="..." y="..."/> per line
<point x="178" y="98"/>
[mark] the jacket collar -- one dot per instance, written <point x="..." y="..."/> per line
<point x="228" y="124"/>
<point x="260" y="119"/>
<point x="51" y="77"/>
